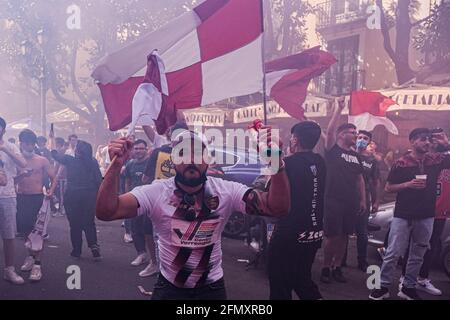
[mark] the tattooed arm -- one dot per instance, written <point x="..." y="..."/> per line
<point x="273" y="203"/>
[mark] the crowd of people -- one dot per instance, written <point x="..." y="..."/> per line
<point x="175" y="213"/>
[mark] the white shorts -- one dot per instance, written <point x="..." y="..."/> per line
<point x="8" y="209"/>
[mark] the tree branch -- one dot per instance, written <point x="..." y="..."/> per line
<point x="73" y="79"/>
<point x="385" y="32"/>
<point x="70" y="104"/>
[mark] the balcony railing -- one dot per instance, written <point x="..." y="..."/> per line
<point x="342" y="83"/>
<point x="333" y="12"/>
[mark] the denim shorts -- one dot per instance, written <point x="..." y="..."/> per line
<point x="8" y="209"/>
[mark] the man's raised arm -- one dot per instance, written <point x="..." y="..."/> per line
<point x="111" y="206"/>
<point x="273" y="203"/>
<point x="277" y="200"/>
<point x="330" y="140"/>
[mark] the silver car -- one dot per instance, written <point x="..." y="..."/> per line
<point x="378" y="228"/>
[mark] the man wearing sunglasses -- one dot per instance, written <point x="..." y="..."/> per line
<point x="414" y="178"/>
<point x="189" y="212"/>
<point x="344" y="193"/>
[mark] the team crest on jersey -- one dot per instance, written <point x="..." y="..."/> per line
<point x="212" y="203"/>
<point x="313" y="170"/>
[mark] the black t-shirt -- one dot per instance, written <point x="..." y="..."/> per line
<point x="343" y="170"/>
<point x="159" y="164"/>
<point x="134" y="171"/>
<point x="412" y="203"/>
<point x="371" y="173"/>
<point x="304" y="223"/>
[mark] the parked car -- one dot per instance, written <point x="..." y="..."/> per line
<point x="379" y="224"/>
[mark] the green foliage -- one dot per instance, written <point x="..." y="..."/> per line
<point x="434" y="38"/>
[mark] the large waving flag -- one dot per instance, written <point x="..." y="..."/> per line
<point x="368" y="109"/>
<point x="211" y="53"/>
<point x="287" y="79"/>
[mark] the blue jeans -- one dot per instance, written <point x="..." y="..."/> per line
<point x="401" y="232"/>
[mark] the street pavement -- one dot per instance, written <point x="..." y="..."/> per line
<point x="114" y="278"/>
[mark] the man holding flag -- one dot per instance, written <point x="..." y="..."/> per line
<point x="189" y="213"/>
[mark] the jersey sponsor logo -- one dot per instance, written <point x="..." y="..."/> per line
<point x="196" y="234"/>
<point x="350" y="158"/>
<point x="313" y="170"/>
<point x="310" y="236"/>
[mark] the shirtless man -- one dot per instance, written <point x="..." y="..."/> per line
<point x="30" y="183"/>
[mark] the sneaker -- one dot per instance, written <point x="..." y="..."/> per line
<point x="400" y="283"/>
<point x="338" y="276"/>
<point x="36" y="273"/>
<point x="408" y="294"/>
<point x="11" y="276"/>
<point x="381" y="252"/>
<point x="28" y="264"/>
<point x="255" y="245"/>
<point x="325" y="275"/>
<point x="363" y="265"/>
<point x="96" y="253"/>
<point x="379" y="294"/>
<point x="127" y="238"/>
<point x="140" y="259"/>
<point x="150" y="270"/>
<point x="425" y="285"/>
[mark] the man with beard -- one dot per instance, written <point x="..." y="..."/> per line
<point x="442" y="214"/>
<point x="344" y="193"/>
<point x="30" y="195"/>
<point x="414" y="178"/>
<point x="189" y="213"/>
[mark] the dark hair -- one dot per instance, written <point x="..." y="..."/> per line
<point x="140" y="141"/>
<point x="2" y="123"/>
<point x="436" y="130"/>
<point x="417" y="132"/>
<point x="345" y="126"/>
<point x="41" y="139"/>
<point x="72" y="136"/>
<point x="84" y="150"/>
<point x="27" y="136"/>
<point x="308" y="134"/>
<point x="60" y="141"/>
<point x="366" y="133"/>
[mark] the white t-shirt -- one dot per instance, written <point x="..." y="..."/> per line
<point x="190" y="251"/>
<point x="10" y="168"/>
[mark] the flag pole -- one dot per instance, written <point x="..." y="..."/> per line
<point x="264" y="64"/>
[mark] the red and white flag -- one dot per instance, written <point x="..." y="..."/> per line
<point x="210" y="53"/>
<point x="287" y="79"/>
<point x="368" y="109"/>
